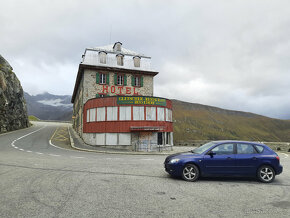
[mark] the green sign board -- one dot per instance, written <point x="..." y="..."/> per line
<point x="141" y="100"/>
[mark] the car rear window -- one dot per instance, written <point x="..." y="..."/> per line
<point x="259" y="148"/>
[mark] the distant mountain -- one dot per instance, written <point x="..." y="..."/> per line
<point x="49" y="107"/>
<point x="201" y="122"/>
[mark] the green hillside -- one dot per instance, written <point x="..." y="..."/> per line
<point x="200" y="122"/>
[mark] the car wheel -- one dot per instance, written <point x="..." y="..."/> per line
<point x="190" y="173"/>
<point x="266" y="174"/>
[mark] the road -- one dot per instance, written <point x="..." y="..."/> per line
<point x="40" y="180"/>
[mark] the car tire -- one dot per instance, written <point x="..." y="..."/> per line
<point x="190" y="173"/>
<point x="266" y="174"/>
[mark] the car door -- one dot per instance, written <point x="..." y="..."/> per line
<point x="221" y="161"/>
<point x="247" y="159"/>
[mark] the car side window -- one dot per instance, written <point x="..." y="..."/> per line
<point x="245" y="149"/>
<point x="260" y="148"/>
<point x="224" y="149"/>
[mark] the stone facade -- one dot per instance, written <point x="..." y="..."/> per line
<point x="91" y="88"/>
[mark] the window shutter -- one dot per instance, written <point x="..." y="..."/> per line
<point x="97" y="95"/>
<point x="108" y="78"/>
<point x="97" y="78"/>
<point x="133" y="80"/>
<point x="141" y="81"/>
<point x="125" y="80"/>
<point x="115" y="79"/>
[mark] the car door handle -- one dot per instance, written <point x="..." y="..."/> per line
<point x="229" y="158"/>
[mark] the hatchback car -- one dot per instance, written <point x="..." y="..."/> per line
<point x="226" y="158"/>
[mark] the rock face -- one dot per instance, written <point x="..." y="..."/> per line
<point x="13" y="112"/>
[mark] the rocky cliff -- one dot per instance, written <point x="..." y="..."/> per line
<point x="13" y="112"/>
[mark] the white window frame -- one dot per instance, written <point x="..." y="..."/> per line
<point x="120" y="80"/>
<point x="137" y="81"/>
<point x="103" y="57"/>
<point x="151" y="113"/>
<point x="103" y="78"/>
<point x="125" y="112"/>
<point x="112" y="113"/>
<point x="138" y="112"/>
<point x="101" y="114"/>
<point x="160" y="113"/>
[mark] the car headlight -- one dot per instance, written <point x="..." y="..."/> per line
<point x="174" y="160"/>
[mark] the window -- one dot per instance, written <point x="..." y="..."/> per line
<point x="117" y="46"/>
<point x="103" y="57"/>
<point x="120" y="59"/>
<point x="245" y="149"/>
<point x="136" y="61"/>
<point x="160" y="138"/>
<point x="138" y="113"/>
<point x="112" y="113"/>
<point x="120" y="80"/>
<point x="88" y="115"/>
<point x="160" y="114"/>
<point x="150" y="113"/>
<point x="260" y="148"/>
<point x="101" y="113"/>
<point x="125" y="113"/>
<point x="224" y="149"/>
<point x="91" y="115"/>
<point x="168" y="138"/>
<point x="168" y="115"/>
<point x="137" y="81"/>
<point x="102" y="78"/>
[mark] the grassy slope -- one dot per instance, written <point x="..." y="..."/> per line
<point x="200" y="122"/>
<point x="33" y="118"/>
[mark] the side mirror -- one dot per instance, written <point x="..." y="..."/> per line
<point x="211" y="153"/>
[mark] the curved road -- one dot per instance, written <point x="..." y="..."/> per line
<point x="40" y="180"/>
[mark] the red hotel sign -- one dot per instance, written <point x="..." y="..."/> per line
<point x="119" y="90"/>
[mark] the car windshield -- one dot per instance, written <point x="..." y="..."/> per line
<point x="203" y="148"/>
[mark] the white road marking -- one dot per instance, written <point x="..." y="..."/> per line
<point x="147" y="159"/>
<point x="76" y="157"/>
<point x="28" y="151"/>
<point x="21" y="149"/>
<point x="13" y="145"/>
<point x="38" y="153"/>
<point x="54" y="155"/>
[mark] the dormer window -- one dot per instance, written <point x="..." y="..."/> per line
<point x="117" y="47"/>
<point x="103" y="57"/>
<point x="136" y="60"/>
<point x="120" y="59"/>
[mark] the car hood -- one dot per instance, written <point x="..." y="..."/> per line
<point x="182" y="155"/>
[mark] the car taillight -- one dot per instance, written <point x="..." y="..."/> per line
<point x="278" y="158"/>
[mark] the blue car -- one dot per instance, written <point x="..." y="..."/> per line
<point x="226" y="158"/>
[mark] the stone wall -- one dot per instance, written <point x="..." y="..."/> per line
<point x="91" y="88"/>
<point x="13" y="112"/>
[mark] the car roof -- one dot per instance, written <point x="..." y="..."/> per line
<point x="237" y="141"/>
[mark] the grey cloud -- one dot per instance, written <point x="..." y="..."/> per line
<point x="232" y="54"/>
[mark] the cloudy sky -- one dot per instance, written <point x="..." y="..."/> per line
<point x="225" y="53"/>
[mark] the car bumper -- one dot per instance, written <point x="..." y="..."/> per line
<point x="173" y="169"/>
<point x="279" y="169"/>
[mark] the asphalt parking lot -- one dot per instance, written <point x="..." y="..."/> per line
<point x="40" y="180"/>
